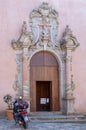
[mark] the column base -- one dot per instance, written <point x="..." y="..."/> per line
<point x="68" y="105"/>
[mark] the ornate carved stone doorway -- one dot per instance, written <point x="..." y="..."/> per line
<point x="43" y="38"/>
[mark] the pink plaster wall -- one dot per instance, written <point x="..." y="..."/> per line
<point x="12" y="15"/>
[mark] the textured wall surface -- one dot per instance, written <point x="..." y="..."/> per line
<point x="12" y="15"/>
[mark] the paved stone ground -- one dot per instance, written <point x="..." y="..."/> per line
<point x="33" y="125"/>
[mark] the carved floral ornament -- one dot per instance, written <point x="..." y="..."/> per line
<point x="44" y="27"/>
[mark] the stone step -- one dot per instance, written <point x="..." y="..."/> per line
<point x="59" y="121"/>
<point x="57" y="117"/>
<point x="45" y="113"/>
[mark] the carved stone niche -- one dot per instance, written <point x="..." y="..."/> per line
<point x="43" y="37"/>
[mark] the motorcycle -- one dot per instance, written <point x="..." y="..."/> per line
<point x="20" y="113"/>
<point x="22" y="118"/>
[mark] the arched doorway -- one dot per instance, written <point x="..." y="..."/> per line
<point x="44" y="82"/>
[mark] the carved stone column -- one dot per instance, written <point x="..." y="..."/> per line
<point x="25" y="79"/>
<point x="26" y="76"/>
<point x="69" y="43"/>
<point x="18" y="84"/>
<point x="68" y="97"/>
<point x="19" y="61"/>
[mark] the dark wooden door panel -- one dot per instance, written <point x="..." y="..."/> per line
<point x="43" y="98"/>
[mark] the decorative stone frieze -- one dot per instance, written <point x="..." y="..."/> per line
<point x="43" y="37"/>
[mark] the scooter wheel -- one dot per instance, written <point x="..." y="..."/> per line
<point x="25" y="125"/>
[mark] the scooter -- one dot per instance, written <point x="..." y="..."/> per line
<point x="22" y="118"/>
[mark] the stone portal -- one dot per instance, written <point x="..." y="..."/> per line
<point x="43" y="39"/>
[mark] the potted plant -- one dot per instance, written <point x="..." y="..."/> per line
<point x="9" y="112"/>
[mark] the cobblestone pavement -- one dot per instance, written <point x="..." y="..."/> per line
<point x="10" y="125"/>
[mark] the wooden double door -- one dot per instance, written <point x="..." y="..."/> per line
<point x="43" y="95"/>
<point x="44" y="82"/>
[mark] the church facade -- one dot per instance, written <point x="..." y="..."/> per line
<point x="44" y="73"/>
<point x="48" y="62"/>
